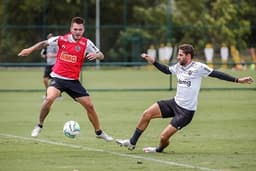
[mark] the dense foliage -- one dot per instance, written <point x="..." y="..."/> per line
<point x="128" y="27"/>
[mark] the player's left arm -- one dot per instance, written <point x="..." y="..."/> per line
<point x="95" y="55"/>
<point x="161" y="67"/>
<point x="227" y="77"/>
<point x="92" y="52"/>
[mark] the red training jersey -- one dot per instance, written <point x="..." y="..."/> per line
<point x="70" y="57"/>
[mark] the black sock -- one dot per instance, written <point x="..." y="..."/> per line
<point x="40" y="125"/>
<point x="159" y="149"/>
<point x="136" y="135"/>
<point x="98" y="132"/>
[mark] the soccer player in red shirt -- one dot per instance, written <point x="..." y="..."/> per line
<point x="73" y="50"/>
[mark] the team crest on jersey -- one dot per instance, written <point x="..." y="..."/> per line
<point x="77" y="48"/>
<point x="190" y="72"/>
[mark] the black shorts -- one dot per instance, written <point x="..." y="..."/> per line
<point x="181" y="116"/>
<point x="72" y="87"/>
<point x="47" y="71"/>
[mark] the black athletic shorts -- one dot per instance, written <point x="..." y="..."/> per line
<point x="72" y="87"/>
<point x="47" y="71"/>
<point x="181" y="117"/>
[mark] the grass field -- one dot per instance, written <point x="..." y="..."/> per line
<point x="143" y="78"/>
<point x="220" y="137"/>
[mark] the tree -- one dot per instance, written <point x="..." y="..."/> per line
<point x="128" y="27"/>
<point x="213" y="21"/>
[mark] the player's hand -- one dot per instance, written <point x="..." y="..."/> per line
<point x="148" y="58"/>
<point x="248" y="80"/>
<point x="92" y="56"/>
<point x="25" y="52"/>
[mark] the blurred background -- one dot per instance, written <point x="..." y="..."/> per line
<point x="123" y="29"/>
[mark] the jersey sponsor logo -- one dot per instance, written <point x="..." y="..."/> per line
<point x="68" y="58"/>
<point x="184" y="82"/>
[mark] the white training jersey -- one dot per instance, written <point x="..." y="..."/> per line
<point x="52" y="48"/>
<point x="189" y="83"/>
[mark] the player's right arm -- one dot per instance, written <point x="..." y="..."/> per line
<point x="161" y="67"/>
<point x="37" y="46"/>
<point x="148" y="58"/>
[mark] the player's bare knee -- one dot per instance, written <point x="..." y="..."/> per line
<point x="49" y="100"/>
<point x="89" y="107"/>
<point x="147" y="115"/>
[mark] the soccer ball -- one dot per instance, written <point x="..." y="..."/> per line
<point x="71" y="129"/>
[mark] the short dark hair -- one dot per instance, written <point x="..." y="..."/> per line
<point x="77" y="20"/>
<point x="187" y="49"/>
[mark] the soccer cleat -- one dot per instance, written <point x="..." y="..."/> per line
<point x="36" y="131"/>
<point x="125" y="143"/>
<point x="149" y="149"/>
<point x="104" y="136"/>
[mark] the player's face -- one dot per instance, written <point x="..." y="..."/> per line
<point x="184" y="59"/>
<point x="77" y="30"/>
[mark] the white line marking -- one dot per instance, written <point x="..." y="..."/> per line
<point x="133" y="156"/>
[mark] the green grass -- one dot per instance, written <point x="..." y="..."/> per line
<point x="221" y="135"/>
<point x="143" y="78"/>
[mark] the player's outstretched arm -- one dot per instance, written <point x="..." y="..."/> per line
<point x="161" y="67"/>
<point x="148" y="58"/>
<point x="37" y="46"/>
<point x="227" y="77"/>
<point x="247" y="80"/>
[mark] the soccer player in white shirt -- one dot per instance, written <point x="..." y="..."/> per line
<point x="183" y="106"/>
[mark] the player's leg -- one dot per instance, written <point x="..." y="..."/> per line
<point x="181" y="118"/>
<point x="75" y="89"/>
<point x="152" y="112"/>
<point x="86" y="102"/>
<point x="52" y="94"/>
<point x="45" y="81"/>
<point x="164" y="139"/>
<point x="165" y="136"/>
